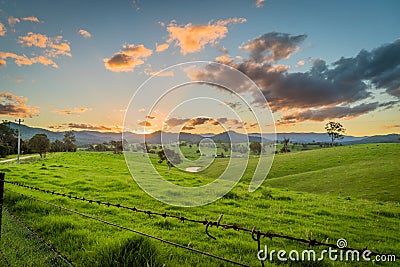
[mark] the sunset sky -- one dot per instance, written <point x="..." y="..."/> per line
<point x="76" y="64"/>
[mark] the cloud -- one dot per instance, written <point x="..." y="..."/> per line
<point x="191" y="124"/>
<point x="273" y="46"/>
<point x="54" y="45"/>
<point x="393" y="126"/>
<point x="300" y="63"/>
<point x="193" y="38"/>
<point x="144" y="123"/>
<point x="12" y="21"/>
<point x="334" y="112"/>
<point x="3" y="29"/>
<point x="188" y="128"/>
<point x="259" y="3"/>
<point x="224" y="59"/>
<point x="150" y="117"/>
<point x="162" y="47"/>
<point x="128" y="58"/>
<point x="74" y="111"/>
<point x="33" y="39"/>
<point x="31" y="19"/>
<point x="24" y="60"/>
<point x="150" y="72"/>
<point x="86" y="126"/>
<point x="15" y="106"/>
<point x="339" y="90"/>
<point x="85" y="33"/>
<point x="172" y="122"/>
<point x="2" y="62"/>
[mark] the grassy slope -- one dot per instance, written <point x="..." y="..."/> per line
<point x="362" y="171"/>
<point x="105" y="176"/>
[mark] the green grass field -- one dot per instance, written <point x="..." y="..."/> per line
<point x="350" y="192"/>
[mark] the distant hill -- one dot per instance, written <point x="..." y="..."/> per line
<point x="236" y="137"/>
<point x="95" y="137"/>
<point x="389" y="138"/>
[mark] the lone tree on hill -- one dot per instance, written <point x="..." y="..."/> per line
<point x="255" y="147"/>
<point x="335" y="131"/>
<point x="171" y="157"/>
<point x="285" y="147"/>
<point x="39" y="143"/>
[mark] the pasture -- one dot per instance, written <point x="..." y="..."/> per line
<point x="350" y="192"/>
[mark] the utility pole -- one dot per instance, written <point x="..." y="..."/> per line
<point x="19" y="137"/>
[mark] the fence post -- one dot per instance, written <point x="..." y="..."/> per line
<point x="2" y="174"/>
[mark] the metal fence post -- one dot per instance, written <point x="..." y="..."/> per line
<point x="2" y="174"/>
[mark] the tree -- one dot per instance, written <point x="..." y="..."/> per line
<point x="255" y="147"/>
<point x="57" y="146"/>
<point x="8" y="138"/>
<point x="69" y="141"/>
<point x="117" y="146"/>
<point x="285" y="147"/>
<point x="171" y="157"/>
<point x="39" y="143"/>
<point x="335" y="131"/>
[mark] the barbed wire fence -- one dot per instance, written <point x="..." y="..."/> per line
<point x="255" y="233"/>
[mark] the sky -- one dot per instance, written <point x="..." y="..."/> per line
<point x="87" y="65"/>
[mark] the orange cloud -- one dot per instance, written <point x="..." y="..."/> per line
<point x="162" y="47"/>
<point x="86" y="126"/>
<point x="2" y="62"/>
<point x="85" y="33"/>
<point x="259" y="3"/>
<point x="128" y="58"/>
<point x="74" y="111"/>
<point x="192" y="38"/>
<point x="144" y="123"/>
<point x="391" y="126"/>
<point x="148" y="71"/>
<point x="3" y="29"/>
<point x="24" y="60"/>
<point x="300" y="63"/>
<point x="224" y="59"/>
<point x="54" y="45"/>
<point x="44" y="61"/>
<point x="15" y="106"/>
<point x="31" y="19"/>
<point x="34" y="39"/>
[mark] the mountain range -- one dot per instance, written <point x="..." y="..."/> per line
<point x="95" y="137"/>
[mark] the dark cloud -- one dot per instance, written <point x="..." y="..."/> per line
<point x="273" y="46"/>
<point x="334" y="112"/>
<point x="197" y="121"/>
<point x="191" y="124"/>
<point x="172" y="122"/>
<point x="150" y="117"/>
<point x="15" y="106"/>
<point x="86" y="126"/>
<point x="323" y="92"/>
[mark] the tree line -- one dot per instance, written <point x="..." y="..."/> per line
<point x="39" y="143"/>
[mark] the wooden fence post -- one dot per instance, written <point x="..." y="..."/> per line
<point x="2" y="174"/>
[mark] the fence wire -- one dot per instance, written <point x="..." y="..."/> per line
<point x="255" y="232"/>
<point x="20" y="246"/>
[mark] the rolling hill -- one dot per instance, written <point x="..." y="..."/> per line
<point x="95" y="137"/>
